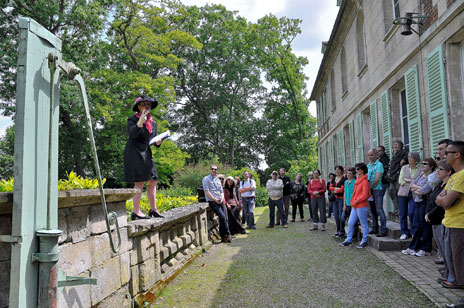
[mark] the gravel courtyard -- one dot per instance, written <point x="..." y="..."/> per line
<point x="291" y="267"/>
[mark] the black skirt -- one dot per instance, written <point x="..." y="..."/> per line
<point x="138" y="160"/>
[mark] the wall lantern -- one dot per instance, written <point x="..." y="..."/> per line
<point x="409" y="20"/>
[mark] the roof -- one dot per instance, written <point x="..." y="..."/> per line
<point x="329" y="46"/>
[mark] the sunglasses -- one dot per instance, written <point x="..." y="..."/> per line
<point x="448" y="152"/>
<point x="425" y="164"/>
<point x="213" y="169"/>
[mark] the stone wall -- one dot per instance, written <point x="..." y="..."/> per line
<point x="152" y="251"/>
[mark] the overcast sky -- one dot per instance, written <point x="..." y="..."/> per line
<point x="318" y="18"/>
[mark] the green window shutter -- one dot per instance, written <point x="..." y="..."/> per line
<point x="413" y="107"/>
<point x="324" y="107"/>
<point x="374" y="125"/>
<point x="329" y="99"/>
<point x="352" y="143"/>
<point x="339" y="2"/>
<point x="386" y="123"/>
<point x="438" y="111"/>
<point x="330" y="154"/>
<point x="341" y="148"/>
<point x="324" y="158"/>
<point x="359" y="139"/>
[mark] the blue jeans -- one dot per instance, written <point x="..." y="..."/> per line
<point x="361" y="214"/>
<point x="406" y="207"/>
<point x="422" y="239"/>
<point x="331" y="204"/>
<point x="338" y="211"/>
<point x="223" y="225"/>
<point x="376" y="207"/>
<point x="248" y="205"/>
<point x="345" y="215"/>
<point x="280" y="207"/>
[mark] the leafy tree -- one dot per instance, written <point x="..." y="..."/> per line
<point x="289" y="128"/>
<point x="7" y="153"/>
<point x="141" y="42"/>
<point x="220" y="89"/>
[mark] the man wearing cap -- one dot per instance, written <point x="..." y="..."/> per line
<point x="274" y="188"/>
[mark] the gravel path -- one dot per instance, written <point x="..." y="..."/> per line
<point x="291" y="267"/>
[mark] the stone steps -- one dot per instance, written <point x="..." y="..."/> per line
<point x="387" y="243"/>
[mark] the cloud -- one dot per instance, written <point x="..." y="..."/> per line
<point x="252" y="10"/>
<point x="4" y="124"/>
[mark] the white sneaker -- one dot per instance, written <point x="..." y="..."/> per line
<point x="408" y="252"/>
<point x="403" y="237"/>
<point x="422" y="253"/>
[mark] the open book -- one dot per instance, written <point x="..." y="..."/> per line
<point x="159" y="137"/>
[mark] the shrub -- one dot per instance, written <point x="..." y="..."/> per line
<point x="261" y="196"/>
<point x="177" y="192"/>
<point x="163" y="203"/>
<point x="192" y="175"/>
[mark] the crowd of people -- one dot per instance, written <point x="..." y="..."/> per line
<point x="426" y="194"/>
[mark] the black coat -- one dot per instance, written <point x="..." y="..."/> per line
<point x="138" y="159"/>
<point x="287" y="186"/>
<point x="395" y="165"/>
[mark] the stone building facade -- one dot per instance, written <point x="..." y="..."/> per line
<point x="376" y="85"/>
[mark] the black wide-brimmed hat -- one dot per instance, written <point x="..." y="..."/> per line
<point x="145" y="98"/>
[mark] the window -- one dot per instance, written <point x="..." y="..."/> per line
<point x="361" y="40"/>
<point x="396" y="8"/>
<point x="332" y="90"/>
<point x="404" y="120"/>
<point x="343" y="69"/>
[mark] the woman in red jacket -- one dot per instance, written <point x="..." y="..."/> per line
<point x="316" y="189"/>
<point x="359" y="205"/>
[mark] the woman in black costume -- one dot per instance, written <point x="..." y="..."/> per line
<point x="138" y="161"/>
<point x="233" y="210"/>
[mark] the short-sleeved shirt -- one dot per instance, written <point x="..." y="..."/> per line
<point x="454" y="216"/>
<point x="213" y="185"/>
<point x="373" y="169"/>
<point x="349" y="187"/>
<point x="248" y="183"/>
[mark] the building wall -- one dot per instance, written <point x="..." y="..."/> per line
<point x="390" y="56"/>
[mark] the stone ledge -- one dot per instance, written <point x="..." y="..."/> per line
<point x="71" y="198"/>
<point x="139" y="227"/>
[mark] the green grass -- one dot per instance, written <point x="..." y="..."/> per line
<point x="291" y="267"/>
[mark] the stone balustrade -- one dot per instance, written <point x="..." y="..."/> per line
<point x="152" y="251"/>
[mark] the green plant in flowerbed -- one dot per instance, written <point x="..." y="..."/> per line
<point x="7" y="185"/>
<point x="165" y="200"/>
<point x="73" y="182"/>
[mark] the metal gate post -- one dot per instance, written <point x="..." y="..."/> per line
<point x="36" y="125"/>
